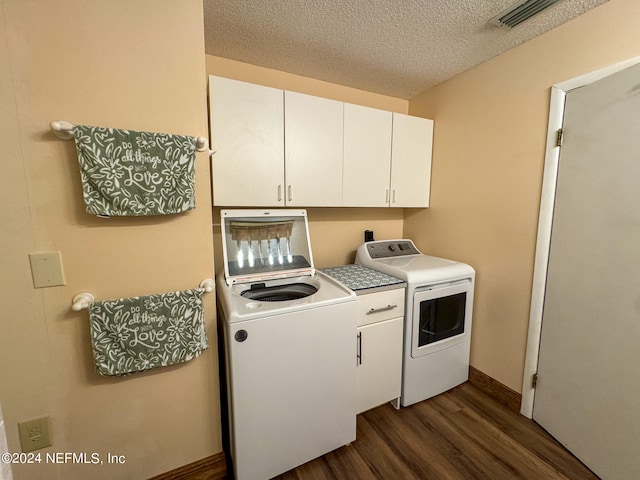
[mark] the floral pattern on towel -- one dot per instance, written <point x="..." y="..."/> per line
<point x="130" y="173"/>
<point x="138" y="333"/>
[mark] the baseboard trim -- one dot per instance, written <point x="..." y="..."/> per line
<point x="214" y="467"/>
<point x="499" y="392"/>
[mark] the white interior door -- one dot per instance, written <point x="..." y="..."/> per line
<point x="588" y="371"/>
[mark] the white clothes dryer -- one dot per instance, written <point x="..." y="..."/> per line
<point x="438" y="315"/>
<point x="289" y="340"/>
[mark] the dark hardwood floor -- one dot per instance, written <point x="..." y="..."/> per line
<point x="461" y="434"/>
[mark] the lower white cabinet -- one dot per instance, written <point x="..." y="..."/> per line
<point x="379" y="348"/>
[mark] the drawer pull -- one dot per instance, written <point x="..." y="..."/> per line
<point x="382" y="309"/>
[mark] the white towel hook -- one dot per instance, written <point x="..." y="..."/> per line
<point x="202" y="144"/>
<point x="81" y="301"/>
<point x="208" y="284"/>
<point x="64" y="130"/>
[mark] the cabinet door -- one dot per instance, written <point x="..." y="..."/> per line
<point x="367" y="157"/>
<point x="247" y="134"/>
<point x="412" y="143"/>
<point x="379" y="372"/>
<point x="313" y="150"/>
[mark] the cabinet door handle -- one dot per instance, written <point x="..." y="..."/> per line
<point x="386" y="196"/>
<point x="279" y="193"/>
<point x="394" y="195"/>
<point x="359" y="350"/>
<point x="381" y="309"/>
<point x="289" y="195"/>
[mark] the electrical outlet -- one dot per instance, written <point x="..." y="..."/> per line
<point x="34" y="434"/>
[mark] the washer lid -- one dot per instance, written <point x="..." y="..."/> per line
<point x="265" y="244"/>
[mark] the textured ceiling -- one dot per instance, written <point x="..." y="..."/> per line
<point x="393" y="47"/>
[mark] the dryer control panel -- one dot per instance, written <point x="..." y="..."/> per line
<point x="390" y="248"/>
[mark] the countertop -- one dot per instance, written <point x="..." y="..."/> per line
<point x="363" y="280"/>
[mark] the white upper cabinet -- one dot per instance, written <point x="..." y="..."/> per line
<point x="313" y="150"/>
<point x="387" y="158"/>
<point x="247" y="135"/>
<point x="367" y="157"/>
<point x="279" y="148"/>
<point x="411" y="148"/>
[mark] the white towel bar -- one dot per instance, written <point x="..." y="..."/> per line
<point x="64" y="130"/>
<point x="84" y="300"/>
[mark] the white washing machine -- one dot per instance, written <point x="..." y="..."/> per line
<point x="438" y="315"/>
<point x="289" y="341"/>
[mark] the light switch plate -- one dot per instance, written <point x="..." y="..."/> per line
<point x="34" y="434"/>
<point x="46" y="269"/>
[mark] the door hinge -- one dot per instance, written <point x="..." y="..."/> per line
<point x="534" y="380"/>
<point x="559" y="136"/>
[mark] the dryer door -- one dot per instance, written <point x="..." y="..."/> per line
<point x="441" y="316"/>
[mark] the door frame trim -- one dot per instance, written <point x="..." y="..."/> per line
<point x="547" y="201"/>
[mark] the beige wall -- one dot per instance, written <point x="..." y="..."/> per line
<point x="268" y="77"/>
<point x="489" y="142"/>
<point x="141" y="65"/>
<point x="335" y="232"/>
<point x="137" y="65"/>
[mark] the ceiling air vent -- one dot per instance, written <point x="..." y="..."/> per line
<point x="521" y="12"/>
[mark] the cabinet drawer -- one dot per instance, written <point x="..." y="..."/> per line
<point x="375" y="307"/>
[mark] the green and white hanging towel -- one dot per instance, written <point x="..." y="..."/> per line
<point x="138" y="333"/>
<point x="129" y="173"/>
